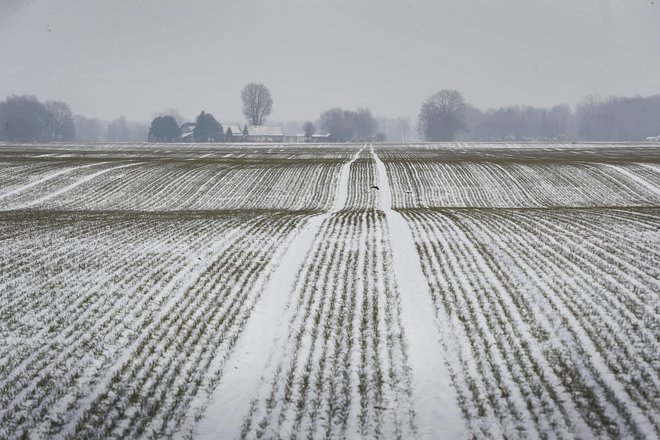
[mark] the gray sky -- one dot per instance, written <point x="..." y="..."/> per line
<point x="126" y="57"/>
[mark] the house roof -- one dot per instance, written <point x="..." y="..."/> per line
<point x="265" y="130"/>
<point x="236" y="130"/>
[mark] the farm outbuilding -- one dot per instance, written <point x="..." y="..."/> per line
<point x="323" y="137"/>
<point x="295" y="139"/>
<point x="236" y="133"/>
<point x="187" y="132"/>
<point x="265" y="133"/>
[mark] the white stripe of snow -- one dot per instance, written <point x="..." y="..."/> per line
<point x="650" y="166"/>
<point x="437" y="412"/>
<point x="244" y="372"/>
<point x="645" y="183"/>
<point x="342" y="185"/>
<point x="72" y="186"/>
<point x="45" y="179"/>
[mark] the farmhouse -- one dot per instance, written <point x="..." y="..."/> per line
<point x="264" y="133"/>
<point x="187" y="130"/>
<point x="236" y="133"/>
<point x="295" y="138"/>
<point x="323" y="137"/>
<point x="302" y="138"/>
<point x="257" y="133"/>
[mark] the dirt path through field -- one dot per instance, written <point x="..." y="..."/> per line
<point x="251" y="358"/>
<point x="436" y="409"/>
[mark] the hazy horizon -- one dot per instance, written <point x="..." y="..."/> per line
<point x="108" y="59"/>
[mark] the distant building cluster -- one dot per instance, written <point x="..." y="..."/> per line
<point x="302" y="138"/>
<point x="234" y="133"/>
<point x="255" y="133"/>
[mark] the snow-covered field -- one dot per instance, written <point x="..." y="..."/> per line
<point x="341" y="291"/>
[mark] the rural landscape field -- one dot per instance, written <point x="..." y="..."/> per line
<point x="330" y="291"/>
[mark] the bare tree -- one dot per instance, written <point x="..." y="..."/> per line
<point x="560" y="118"/>
<point x="23" y="118"/>
<point x="442" y="116"/>
<point x="257" y="103"/>
<point x="89" y="129"/>
<point x="395" y="129"/>
<point x="347" y="125"/>
<point x="337" y="122"/>
<point x="309" y="129"/>
<point x="365" y="124"/>
<point x="60" y="125"/>
<point x="118" y="130"/>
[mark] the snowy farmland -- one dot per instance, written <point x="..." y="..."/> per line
<point x="343" y="291"/>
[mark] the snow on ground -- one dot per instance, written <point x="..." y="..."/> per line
<point x="230" y="402"/>
<point x="646" y="184"/>
<point x="339" y="291"/>
<point x="73" y="185"/>
<point x="436" y="408"/>
<point x="42" y="180"/>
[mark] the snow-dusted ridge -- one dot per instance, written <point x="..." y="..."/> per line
<point x="44" y="179"/>
<point x="643" y="182"/>
<point x="75" y="184"/>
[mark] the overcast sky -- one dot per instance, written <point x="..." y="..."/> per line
<point x="126" y="57"/>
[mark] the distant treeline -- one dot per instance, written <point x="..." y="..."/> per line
<point x="25" y="118"/>
<point x="349" y="125"/>
<point x="594" y="119"/>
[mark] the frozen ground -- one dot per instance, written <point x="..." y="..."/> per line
<point x="343" y="291"/>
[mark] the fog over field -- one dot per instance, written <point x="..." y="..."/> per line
<point x="330" y="219"/>
<point x="121" y="57"/>
<point x="218" y="291"/>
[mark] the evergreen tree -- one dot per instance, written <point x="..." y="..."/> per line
<point x="207" y="129"/>
<point x="164" y="129"/>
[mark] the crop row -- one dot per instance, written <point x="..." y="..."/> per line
<point x="173" y="185"/>
<point x="150" y="152"/>
<point x="363" y="183"/>
<point x="491" y="184"/>
<point x="520" y="152"/>
<point x="553" y="319"/>
<point x="341" y="371"/>
<point x="113" y="325"/>
<point x="17" y="173"/>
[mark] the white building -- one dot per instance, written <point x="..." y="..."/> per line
<point x="264" y="133"/>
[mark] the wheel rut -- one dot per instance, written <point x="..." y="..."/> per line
<point x="265" y="330"/>
<point x="434" y="399"/>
